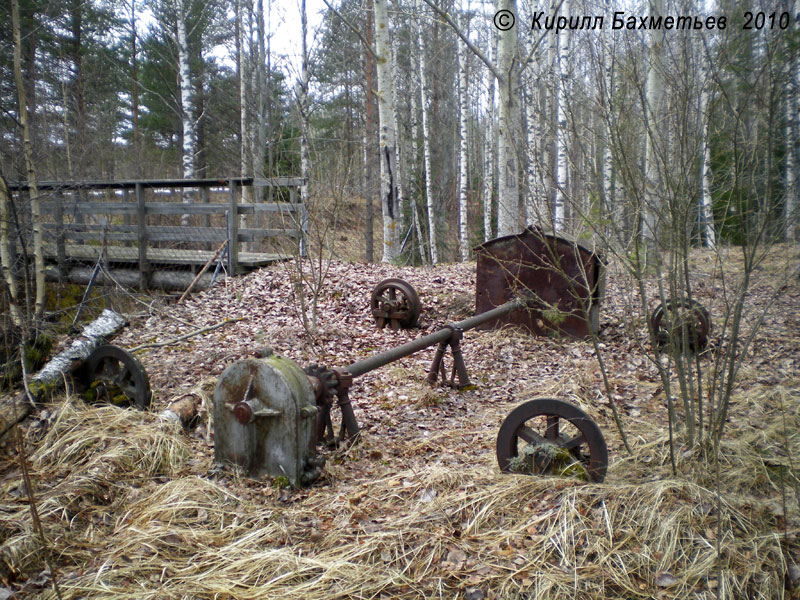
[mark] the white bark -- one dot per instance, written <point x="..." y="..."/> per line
<point x="305" y="137"/>
<point x="244" y="135"/>
<point x="609" y="205"/>
<point x="187" y="103"/>
<point x="260" y="75"/>
<point x="536" y="205"/>
<point x="562" y="82"/>
<point x="30" y="170"/>
<point x="463" y="158"/>
<point x="653" y="110"/>
<point x="6" y="260"/>
<point x="426" y="146"/>
<point x="489" y="152"/>
<point x="412" y="156"/>
<point x="388" y="147"/>
<point x="508" y="134"/>
<point x="706" y="215"/>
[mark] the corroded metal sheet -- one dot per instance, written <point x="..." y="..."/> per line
<point x="562" y="280"/>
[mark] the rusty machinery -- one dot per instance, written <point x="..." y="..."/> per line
<point x="684" y="324"/>
<point x="114" y="376"/>
<point x="395" y="303"/>
<point x="270" y="414"/>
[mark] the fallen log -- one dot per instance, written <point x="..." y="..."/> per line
<point x="184" y="410"/>
<point x="60" y="368"/>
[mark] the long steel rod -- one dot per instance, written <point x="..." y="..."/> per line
<point x="409" y="348"/>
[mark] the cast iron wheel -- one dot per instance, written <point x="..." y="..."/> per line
<point x="117" y="377"/>
<point x="395" y="303"/>
<point x="551" y="437"/>
<point x="684" y="319"/>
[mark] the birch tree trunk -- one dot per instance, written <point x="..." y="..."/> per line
<point x="463" y="159"/>
<point x="508" y="133"/>
<point x="423" y="255"/>
<point x="654" y="100"/>
<point x="27" y="148"/>
<point x="536" y="205"/>
<point x="245" y="156"/>
<point x="610" y="209"/>
<point x="137" y="145"/>
<point x="706" y="214"/>
<point x="260" y="76"/>
<point x="6" y="255"/>
<point x="370" y="138"/>
<point x="426" y="146"/>
<point x="489" y="153"/>
<point x="388" y="146"/>
<point x="187" y="104"/>
<point x="562" y="92"/>
<point x="302" y="105"/>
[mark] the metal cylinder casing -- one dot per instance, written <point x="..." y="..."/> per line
<point x="264" y="413"/>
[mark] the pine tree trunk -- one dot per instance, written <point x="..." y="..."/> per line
<point x="259" y="92"/>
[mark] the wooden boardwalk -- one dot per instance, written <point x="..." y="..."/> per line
<point x="161" y="256"/>
<point x="135" y="221"/>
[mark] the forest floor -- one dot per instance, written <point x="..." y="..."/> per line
<point x="133" y="507"/>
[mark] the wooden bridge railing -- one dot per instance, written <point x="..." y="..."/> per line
<point x="135" y="230"/>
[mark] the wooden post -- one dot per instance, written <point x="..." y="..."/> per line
<point x="61" y="252"/>
<point x="233" y="230"/>
<point x="141" y="215"/>
<point x="127" y="218"/>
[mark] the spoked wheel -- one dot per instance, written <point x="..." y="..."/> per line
<point x="552" y="437"/>
<point x="674" y="322"/>
<point x="395" y="303"/>
<point x="117" y="377"/>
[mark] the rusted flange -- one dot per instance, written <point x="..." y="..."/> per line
<point x="395" y="303"/>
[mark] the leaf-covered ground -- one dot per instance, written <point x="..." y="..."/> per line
<point x="134" y="508"/>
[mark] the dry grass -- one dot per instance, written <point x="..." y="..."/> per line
<point x="128" y="516"/>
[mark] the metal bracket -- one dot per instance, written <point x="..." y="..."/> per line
<point x="459" y="369"/>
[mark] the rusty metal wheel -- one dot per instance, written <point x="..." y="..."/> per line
<point x="395" y="303"/>
<point x="115" y="376"/>
<point x="674" y="322"/>
<point x="552" y="437"/>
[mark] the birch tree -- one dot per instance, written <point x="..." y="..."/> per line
<point x="560" y="99"/>
<point x="507" y="73"/>
<point x="490" y="142"/>
<point x="463" y="158"/>
<point x="388" y="139"/>
<point x="426" y="144"/>
<point x="27" y="150"/>
<point x="187" y="102"/>
<point x="706" y="215"/>
<point x="653" y="111"/>
<point x="303" y="105"/>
